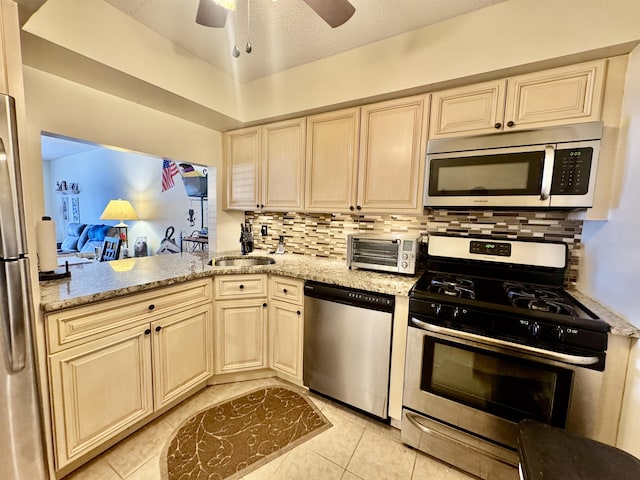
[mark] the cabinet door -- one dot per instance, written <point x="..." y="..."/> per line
<point x="99" y="389"/>
<point x="282" y="166"/>
<point x="240" y="335"/>
<point x="392" y="146"/>
<point x="470" y="110"/>
<point x="285" y="339"/>
<point x="562" y="95"/>
<point x="182" y="353"/>
<point x="332" y="161"/>
<point x="241" y="160"/>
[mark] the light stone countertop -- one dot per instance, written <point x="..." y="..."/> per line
<point x="93" y="282"/>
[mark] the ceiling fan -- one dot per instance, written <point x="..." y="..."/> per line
<point x="213" y="13"/>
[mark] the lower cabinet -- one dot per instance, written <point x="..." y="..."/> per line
<point x="286" y="321"/>
<point x="240" y="323"/>
<point x="109" y="382"/>
<point x="240" y="335"/>
<point x="285" y="339"/>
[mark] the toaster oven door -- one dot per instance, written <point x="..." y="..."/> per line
<point x="375" y="254"/>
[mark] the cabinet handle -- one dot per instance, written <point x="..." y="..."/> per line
<point x="358" y="208"/>
<point x="158" y="328"/>
<point x="298" y="312"/>
<point x="147" y="331"/>
<point x="498" y="126"/>
<point x="241" y="287"/>
<point x="511" y="123"/>
<point x="284" y="290"/>
<point x="152" y="306"/>
<point x="258" y="206"/>
<point x="351" y="208"/>
<point x="264" y="304"/>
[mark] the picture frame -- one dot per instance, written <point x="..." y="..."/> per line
<point x="65" y="208"/>
<point x="140" y="248"/>
<point x="75" y="210"/>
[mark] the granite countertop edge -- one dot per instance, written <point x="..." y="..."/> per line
<point x="102" y="281"/>
<point x="95" y="282"/>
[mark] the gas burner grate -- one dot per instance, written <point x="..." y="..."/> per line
<point x="452" y="286"/>
<point x="543" y="305"/>
<point x="517" y="290"/>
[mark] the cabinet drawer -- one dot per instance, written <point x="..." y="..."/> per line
<point x="287" y="289"/>
<point x="240" y="286"/>
<point x="71" y="327"/>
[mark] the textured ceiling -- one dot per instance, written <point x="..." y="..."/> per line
<point x="286" y="33"/>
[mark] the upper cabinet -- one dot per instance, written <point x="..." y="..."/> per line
<point x="391" y="157"/>
<point x="283" y="166"/>
<point x="332" y="161"/>
<point x="369" y="159"/>
<point x="552" y="97"/>
<point x="265" y="167"/>
<point x="241" y="161"/>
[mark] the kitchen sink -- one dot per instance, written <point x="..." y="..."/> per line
<point x="243" y="261"/>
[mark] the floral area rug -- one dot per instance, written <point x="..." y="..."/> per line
<point x="230" y="439"/>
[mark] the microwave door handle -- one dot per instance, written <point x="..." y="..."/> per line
<point x="547" y="172"/>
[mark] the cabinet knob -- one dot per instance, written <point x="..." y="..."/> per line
<point x="264" y="304"/>
<point x="358" y="208"/>
<point x="158" y="328"/>
<point x="284" y="290"/>
<point x="351" y="208"/>
<point x="152" y="306"/>
<point x="298" y="312"/>
<point x="241" y="287"/>
<point x="147" y="331"/>
<point x="498" y="126"/>
<point x="257" y="205"/>
<point x="511" y="123"/>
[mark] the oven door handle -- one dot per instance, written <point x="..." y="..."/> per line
<point x="538" y="352"/>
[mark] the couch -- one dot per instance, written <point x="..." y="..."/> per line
<point x="83" y="238"/>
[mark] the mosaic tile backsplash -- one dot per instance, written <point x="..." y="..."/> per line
<point x="324" y="235"/>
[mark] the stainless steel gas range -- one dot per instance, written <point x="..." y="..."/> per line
<point x="493" y="339"/>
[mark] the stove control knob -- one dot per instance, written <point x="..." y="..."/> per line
<point x="459" y="313"/>
<point x="558" y="334"/>
<point x="534" y="329"/>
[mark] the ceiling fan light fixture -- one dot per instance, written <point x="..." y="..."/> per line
<point x="228" y="4"/>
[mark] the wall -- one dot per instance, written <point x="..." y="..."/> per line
<point x="66" y="108"/>
<point x="609" y="269"/>
<point x="508" y="34"/>
<point x="105" y="174"/>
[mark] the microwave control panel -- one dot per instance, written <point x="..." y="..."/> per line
<point x="571" y="171"/>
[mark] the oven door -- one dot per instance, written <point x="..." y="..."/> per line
<point x="482" y="389"/>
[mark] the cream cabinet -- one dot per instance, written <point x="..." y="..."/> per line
<point x="557" y="96"/>
<point x="368" y="160"/>
<point x="332" y="161"/>
<point x="241" y="166"/>
<point x="286" y="323"/>
<point x="240" y="323"/>
<point x="264" y="167"/>
<point x="391" y="156"/>
<point x="104" y="381"/>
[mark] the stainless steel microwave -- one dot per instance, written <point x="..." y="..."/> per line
<point x="394" y="253"/>
<point x="552" y="167"/>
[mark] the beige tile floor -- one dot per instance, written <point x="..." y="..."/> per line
<point x="355" y="448"/>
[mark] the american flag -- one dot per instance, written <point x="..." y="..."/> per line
<point x="169" y="170"/>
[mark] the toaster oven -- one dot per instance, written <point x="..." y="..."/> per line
<point x="393" y="253"/>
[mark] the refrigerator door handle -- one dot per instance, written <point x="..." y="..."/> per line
<point x="12" y="239"/>
<point x="15" y="310"/>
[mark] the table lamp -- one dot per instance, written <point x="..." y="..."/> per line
<point x="120" y="210"/>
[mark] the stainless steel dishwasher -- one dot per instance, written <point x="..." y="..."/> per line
<point x="347" y="345"/>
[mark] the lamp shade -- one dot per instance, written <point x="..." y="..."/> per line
<point x="119" y="210"/>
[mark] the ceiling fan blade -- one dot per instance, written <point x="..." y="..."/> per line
<point x="334" y="12"/>
<point x="210" y="14"/>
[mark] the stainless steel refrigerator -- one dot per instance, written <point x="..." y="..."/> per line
<point x="21" y="443"/>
